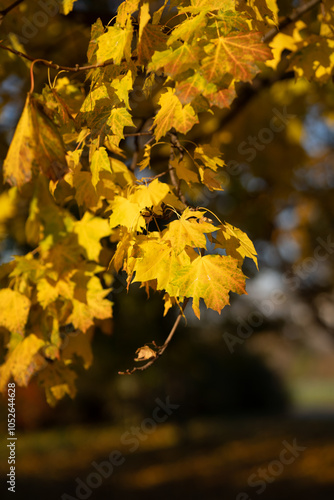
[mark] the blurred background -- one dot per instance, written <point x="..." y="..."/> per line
<point x="243" y="386"/>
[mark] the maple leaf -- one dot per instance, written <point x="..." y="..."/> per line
<point x="144" y="17"/>
<point x="97" y="30"/>
<point x="189" y="28"/>
<point x="117" y="120"/>
<point x="79" y="345"/>
<point x="57" y="380"/>
<point x="209" y="156"/>
<point x="90" y="230"/>
<point x="89" y="302"/>
<point x="85" y="193"/>
<point x="46" y="292"/>
<point x="211" y="278"/>
<point x="22" y="362"/>
<point x="115" y="44"/>
<point x="261" y="12"/>
<point x="36" y="145"/>
<point x="13" y="301"/>
<point x="187" y="90"/>
<point x="126" y="213"/>
<point x="189" y="229"/>
<point x="100" y="162"/>
<point x="208" y="6"/>
<point x="236" y="54"/>
<point x="221" y="98"/>
<point x="67" y="6"/>
<point x="122" y="87"/>
<point x="184" y="170"/>
<point x="125" y="10"/>
<point x="173" y="115"/>
<point x="176" y="61"/>
<point x="151" y="195"/>
<point x="155" y="259"/>
<point x="152" y="39"/>
<point x="236" y="243"/>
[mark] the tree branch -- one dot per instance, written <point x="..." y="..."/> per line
<point x="296" y="14"/>
<point x="51" y="64"/>
<point x="4" y="12"/>
<point x="162" y="348"/>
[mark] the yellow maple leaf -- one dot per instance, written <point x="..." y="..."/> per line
<point x="89" y="302"/>
<point x="151" y="195"/>
<point x="14" y="310"/>
<point x="22" y="362"/>
<point x="173" y="115"/>
<point x="115" y="43"/>
<point x="90" y="230"/>
<point x="211" y="278"/>
<point x="236" y="243"/>
<point x="100" y="162"/>
<point x="67" y="6"/>
<point x="144" y="18"/>
<point x="189" y="230"/>
<point x="47" y="292"/>
<point x="126" y="213"/>
<point x="122" y="87"/>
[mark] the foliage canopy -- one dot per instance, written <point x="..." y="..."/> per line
<point x="81" y="159"/>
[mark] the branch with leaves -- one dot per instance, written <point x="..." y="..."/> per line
<point x="95" y="209"/>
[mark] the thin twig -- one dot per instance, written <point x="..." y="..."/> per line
<point x="291" y="18"/>
<point x="4" y="12"/>
<point x="136" y="134"/>
<point x="51" y="64"/>
<point x="162" y="348"/>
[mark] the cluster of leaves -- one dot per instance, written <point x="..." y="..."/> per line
<point x="93" y="211"/>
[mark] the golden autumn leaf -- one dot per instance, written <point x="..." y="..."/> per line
<point x="89" y="302"/>
<point x="67" y="6"/>
<point x="236" y="54"/>
<point x="188" y="230"/>
<point x="14" y="310"/>
<point x="90" y="230"/>
<point x="236" y="243"/>
<point x="210" y="278"/>
<point x="115" y="44"/>
<point x="173" y="115"/>
<point x="36" y="146"/>
<point x="22" y="362"/>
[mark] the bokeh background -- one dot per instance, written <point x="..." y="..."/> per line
<point x="249" y="383"/>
